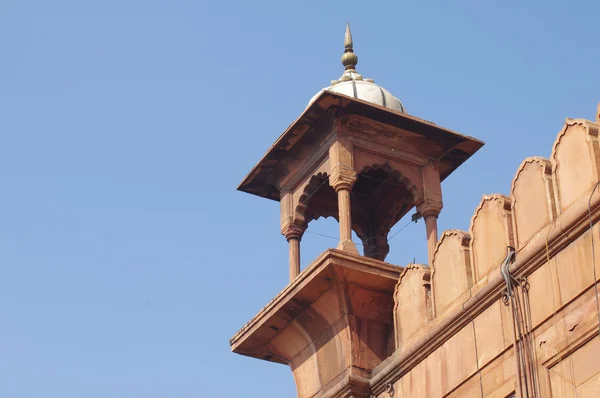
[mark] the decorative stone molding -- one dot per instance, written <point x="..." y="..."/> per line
<point x="399" y="176"/>
<point x="293" y="232"/>
<point x="309" y="189"/>
<point x="342" y="174"/>
<point x="340" y="181"/>
<point x="429" y="207"/>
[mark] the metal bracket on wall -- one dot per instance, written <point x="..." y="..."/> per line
<point x="389" y="388"/>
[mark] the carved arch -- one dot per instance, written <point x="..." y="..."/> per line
<point x="400" y="177"/>
<point x="314" y="184"/>
<point x="381" y="203"/>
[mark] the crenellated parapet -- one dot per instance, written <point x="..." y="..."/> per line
<point x="453" y="312"/>
<point x="352" y="326"/>
<point x="541" y="190"/>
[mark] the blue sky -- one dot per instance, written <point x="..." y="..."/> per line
<point x="128" y="258"/>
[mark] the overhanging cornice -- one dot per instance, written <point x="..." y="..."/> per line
<point x="457" y="147"/>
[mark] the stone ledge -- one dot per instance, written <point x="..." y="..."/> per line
<point x="331" y="267"/>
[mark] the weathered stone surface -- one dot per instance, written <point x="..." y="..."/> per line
<point x="331" y="325"/>
<point x="451" y="277"/>
<point x="576" y="160"/>
<point x="489" y="332"/>
<point x="532" y="197"/>
<point x="553" y="273"/>
<point x="491" y="233"/>
<point x="460" y="357"/>
<point x="411" y="309"/>
<point x="354" y="326"/>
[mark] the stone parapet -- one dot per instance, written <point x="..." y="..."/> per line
<point x="462" y="344"/>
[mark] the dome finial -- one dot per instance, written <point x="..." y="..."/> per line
<point x="349" y="59"/>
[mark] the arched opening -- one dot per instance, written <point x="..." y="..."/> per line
<point x="318" y="213"/>
<point x="322" y="234"/>
<point x="318" y="200"/>
<point x="381" y="196"/>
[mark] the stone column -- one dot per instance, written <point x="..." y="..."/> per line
<point x="293" y="235"/>
<point x="430" y="210"/>
<point x="341" y="178"/>
<point x="344" y="209"/>
<point x="376" y="247"/>
<point x="342" y="187"/>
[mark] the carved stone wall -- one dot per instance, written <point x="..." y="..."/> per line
<point x="461" y="341"/>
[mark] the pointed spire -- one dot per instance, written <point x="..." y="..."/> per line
<point x="348" y="38"/>
<point x="349" y="59"/>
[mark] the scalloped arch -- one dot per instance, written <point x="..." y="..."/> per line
<point x="314" y="184"/>
<point x="393" y="213"/>
<point x="396" y="173"/>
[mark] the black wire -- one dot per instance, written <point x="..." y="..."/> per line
<point x="334" y="238"/>
<point x="400" y="230"/>
<point x="328" y="236"/>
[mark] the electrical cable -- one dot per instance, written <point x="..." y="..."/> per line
<point x="517" y="332"/>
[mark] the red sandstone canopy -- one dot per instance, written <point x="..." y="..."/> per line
<point x="447" y="147"/>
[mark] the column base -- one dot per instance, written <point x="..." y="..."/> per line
<point x="347" y="246"/>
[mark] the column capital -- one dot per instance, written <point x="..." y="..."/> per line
<point x="293" y="232"/>
<point x="342" y="180"/>
<point x="429" y="207"/>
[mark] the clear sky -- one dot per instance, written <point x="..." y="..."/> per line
<point x="127" y="257"/>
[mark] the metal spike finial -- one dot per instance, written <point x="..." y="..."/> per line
<point x="349" y="59"/>
<point x="348" y="38"/>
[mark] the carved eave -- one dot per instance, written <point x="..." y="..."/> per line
<point x="264" y="179"/>
<point x="352" y="274"/>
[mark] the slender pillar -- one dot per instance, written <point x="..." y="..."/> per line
<point x="341" y="178"/>
<point x="345" y="218"/>
<point x="432" y="236"/>
<point x="430" y="210"/>
<point x="293" y="234"/>
<point x="294" y="257"/>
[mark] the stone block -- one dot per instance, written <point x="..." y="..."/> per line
<point x="460" y="357"/>
<point x="574" y="266"/>
<point x="489" y="332"/>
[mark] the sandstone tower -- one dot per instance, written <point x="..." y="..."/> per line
<point x="506" y="309"/>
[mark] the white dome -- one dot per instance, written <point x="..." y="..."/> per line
<point x="353" y="85"/>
